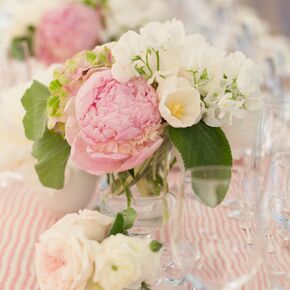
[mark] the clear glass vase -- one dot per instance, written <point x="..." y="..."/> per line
<point x="152" y="211"/>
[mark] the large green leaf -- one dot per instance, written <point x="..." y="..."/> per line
<point x="52" y="152"/>
<point x="34" y="101"/>
<point x="124" y="221"/>
<point x="201" y="145"/>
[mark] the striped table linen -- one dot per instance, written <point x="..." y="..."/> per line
<point x="23" y="220"/>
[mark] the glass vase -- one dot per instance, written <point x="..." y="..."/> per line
<point x="152" y="211"/>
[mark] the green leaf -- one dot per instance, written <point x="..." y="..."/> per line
<point x="201" y="145"/>
<point x="34" y="101"/>
<point x="144" y="286"/>
<point x="155" y="246"/>
<point x="22" y="46"/>
<point x="52" y="152"/>
<point x="123" y="221"/>
<point x="132" y="173"/>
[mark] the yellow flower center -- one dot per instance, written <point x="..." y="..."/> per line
<point x="177" y="110"/>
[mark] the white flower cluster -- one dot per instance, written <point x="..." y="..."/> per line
<point x="194" y="80"/>
<point x="77" y="254"/>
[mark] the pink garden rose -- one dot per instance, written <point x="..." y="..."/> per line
<point x="64" y="259"/>
<point x="112" y="126"/>
<point x="65" y="31"/>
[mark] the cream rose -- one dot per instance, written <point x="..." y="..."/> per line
<point x="64" y="259"/>
<point x="94" y="224"/>
<point x="119" y="264"/>
<point x="180" y="103"/>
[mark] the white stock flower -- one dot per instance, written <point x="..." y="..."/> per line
<point x="244" y="71"/>
<point x="163" y="35"/>
<point x="64" y="259"/>
<point x="194" y="79"/>
<point x="233" y="64"/>
<point x="119" y="264"/>
<point x="94" y="224"/>
<point x="180" y="103"/>
<point x="248" y="80"/>
<point x="153" y="53"/>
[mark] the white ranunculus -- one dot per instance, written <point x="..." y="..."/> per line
<point x="151" y="266"/>
<point x="119" y="264"/>
<point x="248" y="80"/>
<point x="180" y="103"/>
<point x="126" y="262"/>
<point x="94" y="224"/>
<point x="64" y="259"/>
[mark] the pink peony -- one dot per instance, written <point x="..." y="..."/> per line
<point x="116" y="126"/>
<point x="65" y="31"/>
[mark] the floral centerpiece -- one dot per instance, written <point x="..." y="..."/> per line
<point x="54" y="30"/>
<point x="123" y="108"/>
<point x="90" y="251"/>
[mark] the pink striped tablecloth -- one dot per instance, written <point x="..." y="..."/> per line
<point x="23" y="220"/>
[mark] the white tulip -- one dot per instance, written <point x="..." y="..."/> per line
<point x="180" y="103"/>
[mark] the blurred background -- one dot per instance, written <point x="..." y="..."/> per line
<point x="276" y="12"/>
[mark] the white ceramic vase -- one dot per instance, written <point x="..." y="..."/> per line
<point x="78" y="191"/>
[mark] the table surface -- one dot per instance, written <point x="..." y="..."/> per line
<point x="23" y="220"/>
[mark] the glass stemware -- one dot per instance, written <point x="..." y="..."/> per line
<point x="273" y="130"/>
<point x="274" y="219"/>
<point x="213" y="250"/>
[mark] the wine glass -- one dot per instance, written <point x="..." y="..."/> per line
<point x="273" y="130"/>
<point x="274" y="219"/>
<point x="213" y="250"/>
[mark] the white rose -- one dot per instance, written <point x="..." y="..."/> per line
<point x="119" y="264"/>
<point x="64" y="259"/>
<point x="94" y="224"/>
<point x="180" y="103"/>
